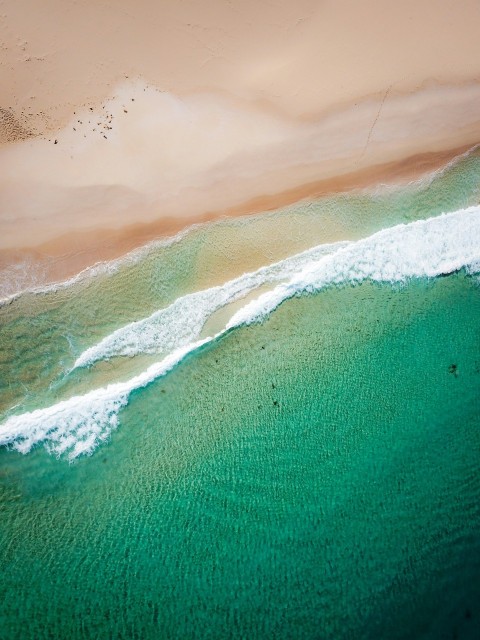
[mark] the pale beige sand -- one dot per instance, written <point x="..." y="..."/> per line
<point x="300" y="57"/>
<point x="165" y="113"/>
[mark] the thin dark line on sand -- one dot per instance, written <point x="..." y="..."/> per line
<point x="375" y="121"/>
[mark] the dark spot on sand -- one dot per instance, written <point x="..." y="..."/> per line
<point x="273" y="386"/>
<point x="125" y="111"/>
<point x="468" y="614"/>
<point x="275" y="403"/>
<point x="453" y="369"/>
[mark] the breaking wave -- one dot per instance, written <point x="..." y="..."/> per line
<point x="182" y="321"/>
<point x="426" y="248"/>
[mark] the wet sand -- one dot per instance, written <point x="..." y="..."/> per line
<point x="122" y="123"/>
<point x="63" y="257"/>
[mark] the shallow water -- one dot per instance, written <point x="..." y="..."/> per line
<point x="312" y="476"/>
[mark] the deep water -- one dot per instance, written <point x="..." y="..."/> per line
<point x="314" y="476"/>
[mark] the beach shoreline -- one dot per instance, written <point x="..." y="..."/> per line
<point x="64" y="258"/>
<point x="122" y="123"/>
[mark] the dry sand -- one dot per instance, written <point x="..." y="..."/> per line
<point x="121" y="121"/>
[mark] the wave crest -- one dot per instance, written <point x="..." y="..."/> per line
<point x="425" y="248"/>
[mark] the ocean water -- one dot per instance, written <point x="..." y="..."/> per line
<point x="192" y="452"/>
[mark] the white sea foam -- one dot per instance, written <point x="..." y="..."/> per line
<point x="78" y="425"/>
<point x="427" y="248"/>
<point x="425" y="180"/>
<point x="107" y="267"/>
<point x="182" y="321"/>
<point x="17" y="280"/>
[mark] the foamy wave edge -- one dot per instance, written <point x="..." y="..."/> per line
<point x="426" y="248"/>
<point x="182" y="321"/>
<point x="134" y="256"/>
<point x="106" y="267"/>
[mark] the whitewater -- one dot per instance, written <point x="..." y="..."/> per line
<point x="182" y="321"/>
<point x="422" y="249"/>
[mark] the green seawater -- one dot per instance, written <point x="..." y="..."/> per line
<point x="41" y="335"/>
<point x="313" y="476"/>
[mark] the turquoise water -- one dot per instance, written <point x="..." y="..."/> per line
<point x="314" y="475"/>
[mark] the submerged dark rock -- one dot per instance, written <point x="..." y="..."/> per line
<point x="453" y="369"/>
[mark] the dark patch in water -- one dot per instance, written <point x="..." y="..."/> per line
<point x="453" y="369"/>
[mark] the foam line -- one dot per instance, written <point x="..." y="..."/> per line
<point x="108" y="267"/>
<point x="112" y="266"/>
<point x="78" y="425"/>
<point x="427" y="248"/>
<point x="182" y="321"/>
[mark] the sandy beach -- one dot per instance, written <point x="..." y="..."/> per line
<point x="122" y="122"/>
<point x="239" y="319"/>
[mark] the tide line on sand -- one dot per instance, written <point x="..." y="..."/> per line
<point x="426" y="248"/>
